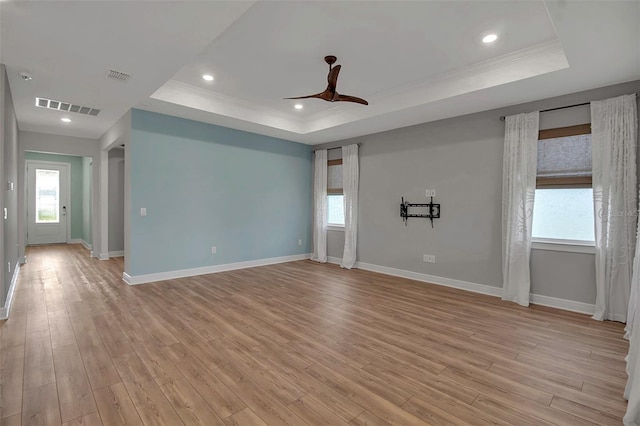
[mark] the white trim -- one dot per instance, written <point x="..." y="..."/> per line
<point x="336" y="260"/>
<point x="339" y="228"/>
<point x="447" y="282"/>
<point x="116" y="253"/>
<point x="538" y="299"/>
<point x="75" y="241"/>
<point x="565" y="304"/>
<point x="182" y="273"/>
<point x="68" y="203"/>
<point x="570" y="246"/>
<point x="103" y="256"/>
<point x="4" y="311"/>
<point x="86" y="244"/>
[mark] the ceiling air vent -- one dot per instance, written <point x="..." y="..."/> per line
<point x="117" y="75"/>
<point x="66" y="106"/>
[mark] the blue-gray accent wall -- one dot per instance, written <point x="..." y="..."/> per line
<point x="204" y="185"/>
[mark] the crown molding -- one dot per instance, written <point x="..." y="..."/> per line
<point x="525" y="63"/>
<point x="189" y="96"/>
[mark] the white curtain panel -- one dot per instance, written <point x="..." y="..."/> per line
<point x="320" y="207"/>
<point x="350" y="178"/>
<point x="518" y="192"/>
<point x="634" y="292"/>
<point x="632" y="390"/>
<point x="614" y="131"/>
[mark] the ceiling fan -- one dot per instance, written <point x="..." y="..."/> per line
<point x="330" y="94"/>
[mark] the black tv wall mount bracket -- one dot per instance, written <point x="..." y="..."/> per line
<point x="433" y="211"/>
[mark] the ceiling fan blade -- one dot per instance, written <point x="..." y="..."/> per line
<point x="330" y="94"/>
<point x="333" y="77"/>
<point x="327" y="95"/>
<point x="317" y="95"/>
<point x="347" y="98"/>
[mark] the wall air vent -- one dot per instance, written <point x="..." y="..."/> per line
<point x="66" y="106"/>
<point x="117" y="76"/>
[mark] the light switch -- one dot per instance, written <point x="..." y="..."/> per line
<point x="143" y="211"/>
<point x="5" y="212"/>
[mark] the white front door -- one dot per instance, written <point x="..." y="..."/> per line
<point x="47" y="202"/>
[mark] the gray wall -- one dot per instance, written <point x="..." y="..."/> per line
<point x="116" y="200"/>
<point x="87" y="178"/>
<point x="8" y="174"/>
<point x="461" y="158"/>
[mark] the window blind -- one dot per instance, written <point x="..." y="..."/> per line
<point x="565" y="162"/>
<point x="334" y="176"/>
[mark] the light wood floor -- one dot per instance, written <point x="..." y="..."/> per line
<point x="297" y="343"/>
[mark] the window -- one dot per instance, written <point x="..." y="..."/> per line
<point x="335" y="199"/>
<point x="47" y="194"/>
<point x="564" y="214"/>
<point x="563" y="208"/>
<point x="335" y="210"/>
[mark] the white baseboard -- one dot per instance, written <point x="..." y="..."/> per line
<point x="433" y="279"/>
<point x="86" y="244"/>
<point x="538" y="299"/>
<point x="336" y="260"/>
<point x="103" y="256"/>
<point x="116" y="253"/>
<point x="75" y="241"/>
<point x="4" y="311"/>
<point x="617" y="318"/>
<point x="564" y="304"/>
<point x="182" y="273"/>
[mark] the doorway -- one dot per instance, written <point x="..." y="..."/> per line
<point x="48" y="208"/>
<point x="116" y="202"/>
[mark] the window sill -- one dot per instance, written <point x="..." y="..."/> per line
<point x="335" y="228"/>
<point x="564" y="245"/>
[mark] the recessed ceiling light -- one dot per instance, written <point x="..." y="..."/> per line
<point x="489" y="38"/>
<point x="298" y="106"/>
<point x="207" y="77"/>
<point x="65" y="120"/>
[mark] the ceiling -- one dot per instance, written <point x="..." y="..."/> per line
<point x="413" y="61"/>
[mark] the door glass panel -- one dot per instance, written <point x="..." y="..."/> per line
<point x="47" y="196"/>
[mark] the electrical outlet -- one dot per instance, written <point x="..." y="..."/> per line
<point x="430" y="193"/>
<point x="214" y="250"/>
<point x="429" y="258"/>
<point x="299" y="242"/>
<point x="143" y="211"/>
